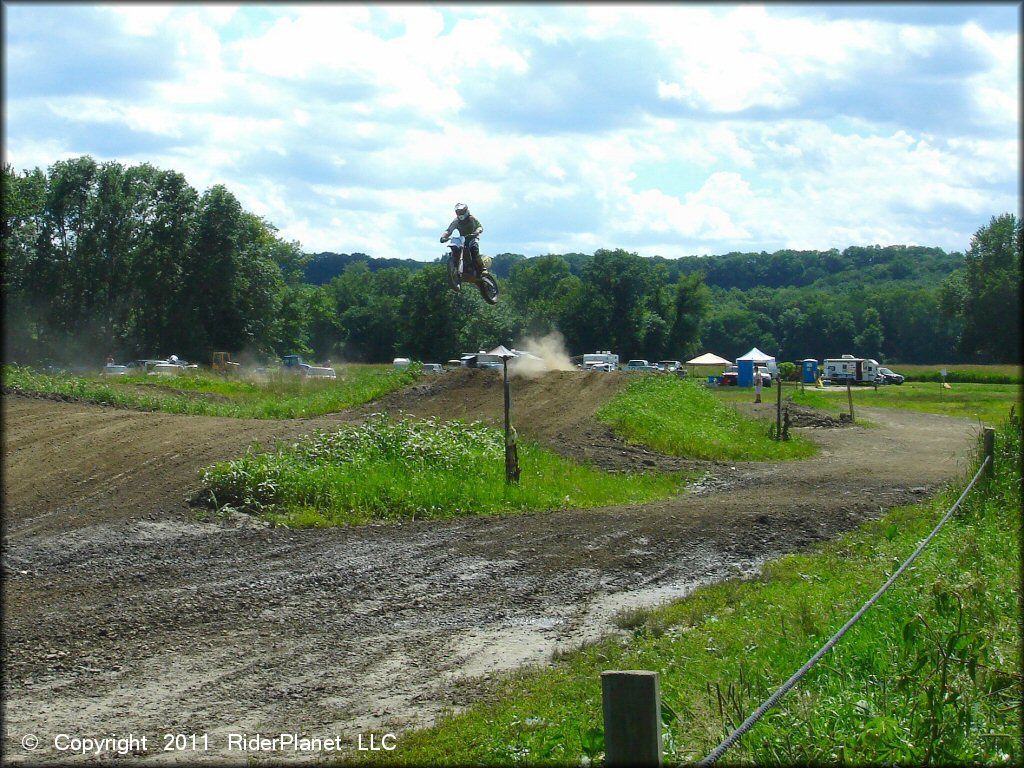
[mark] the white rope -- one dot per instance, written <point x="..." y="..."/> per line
<point x="798" y="675"/>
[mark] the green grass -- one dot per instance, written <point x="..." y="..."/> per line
<point x="397" y="470"/>
<point x="390" y="470"/>
<point x="963" y="373"/>
<point x="683" y="418"/>
<point x="930" y="675"/>
<point x="275" y="396"/>
<point x="988" y="403"/>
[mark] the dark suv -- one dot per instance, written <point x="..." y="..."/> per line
<point x="890" y="376"/>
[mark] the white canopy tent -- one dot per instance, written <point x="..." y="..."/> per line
<point x="502" y="351"/>
<point x="708" y="358"/>
<point x="711" y="360"/>
<point x="757" y="356"/>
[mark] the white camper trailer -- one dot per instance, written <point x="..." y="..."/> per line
<point x="856" y="370"/>
<point x="605" y="359"/>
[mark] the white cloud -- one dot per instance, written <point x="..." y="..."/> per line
<point x="142" y="20"/>
<point x="729" y="126"/>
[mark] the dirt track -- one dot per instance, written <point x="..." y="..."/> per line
<point x="123" y="614"/>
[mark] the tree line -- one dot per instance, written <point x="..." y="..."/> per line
<point x="101" y="259"/>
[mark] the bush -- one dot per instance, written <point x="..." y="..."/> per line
<point x="789" y="371"/>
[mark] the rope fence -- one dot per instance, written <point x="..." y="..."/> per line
<point x="622" y="744"/>
<point x="772" y="700"/>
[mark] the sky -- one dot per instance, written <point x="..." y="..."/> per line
<point x="668" y="129"/>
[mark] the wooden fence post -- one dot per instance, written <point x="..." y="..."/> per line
<point x="511" y="447"/>
<point x="849" y="397"/>
<point x="990" y="452"/>
<point x="632" y="718"/>
<point x="778" y="410"/>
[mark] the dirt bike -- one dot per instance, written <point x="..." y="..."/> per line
<point x="462" y="270"/>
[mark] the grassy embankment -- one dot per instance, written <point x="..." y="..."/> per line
<point x="930" y="675"/>
<point x="387" y="470"/>
<point x="684" y="418"/>
<point x="274" y="396"/>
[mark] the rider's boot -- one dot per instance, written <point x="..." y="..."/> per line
<point x="478" y="262"/>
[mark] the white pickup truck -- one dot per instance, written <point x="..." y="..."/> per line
<point x="295" y="364"/>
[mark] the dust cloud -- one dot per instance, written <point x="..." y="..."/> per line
<point x="547" y="353"/>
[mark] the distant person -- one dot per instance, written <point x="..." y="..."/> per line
<point x="471" y="229"/>
<point x="110" y="359"/>
<point x="757" y="384"/>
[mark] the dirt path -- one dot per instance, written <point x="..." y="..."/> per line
<point x="123" y="614"/>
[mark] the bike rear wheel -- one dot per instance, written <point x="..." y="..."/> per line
<point x="489" y="289"/>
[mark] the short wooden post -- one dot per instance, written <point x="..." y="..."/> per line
<point x="511" y="448"/>
<point x="632" y="718"/>
<point x="849" y="397"/>
<point x="778" y="410"/>
<point x="990" y="452"/>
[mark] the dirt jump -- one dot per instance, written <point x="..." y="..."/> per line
<point x="124" y="613"/>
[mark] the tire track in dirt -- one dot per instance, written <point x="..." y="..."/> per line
<point x="125" y="613"/>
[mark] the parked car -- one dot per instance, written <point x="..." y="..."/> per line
<point x="143" y="366"/>
<point x="730" y="378"/>
<point x="669" y="366"/>
<point x="171" y="368"/>
<point x="889" y="376"/>
<point x="639" y="365"/>
<point x="296" y="365"/>
<point x="110" y="369"/>
<point x="432" y="368"/>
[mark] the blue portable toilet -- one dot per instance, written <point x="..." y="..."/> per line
<point x="810" y="370"/>
<point x="745" y="373"/>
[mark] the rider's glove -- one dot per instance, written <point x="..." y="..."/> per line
<point x="444" y="237"/>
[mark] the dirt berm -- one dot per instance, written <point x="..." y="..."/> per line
<point x="124" y="614"/>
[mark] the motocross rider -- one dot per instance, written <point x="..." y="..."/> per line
<point x="470" y="228"/>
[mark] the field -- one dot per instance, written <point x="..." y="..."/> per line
<point x="215" y="620"/>
<point x="965" y="372"/>
<point x="984" y="403"/>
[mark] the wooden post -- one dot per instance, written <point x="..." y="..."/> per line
<point x="990" y="452"/>
<point x="632" y="718"/>
<point x="511" y="449"/>
<point x="778" y="410"/>
<point x="849" y="397"/>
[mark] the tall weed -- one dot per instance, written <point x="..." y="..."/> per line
<point x="389" y="469"/>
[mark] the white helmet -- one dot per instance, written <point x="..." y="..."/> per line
<point x="462" y="211"/>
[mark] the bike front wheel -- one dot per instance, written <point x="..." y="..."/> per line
<point x="489" y="289"/>
<point x="454" y="278"/>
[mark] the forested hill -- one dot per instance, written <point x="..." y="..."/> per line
<point x="324" y="267"/>
<point x="854" y="267"/>
<point x="102" y="259"/>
